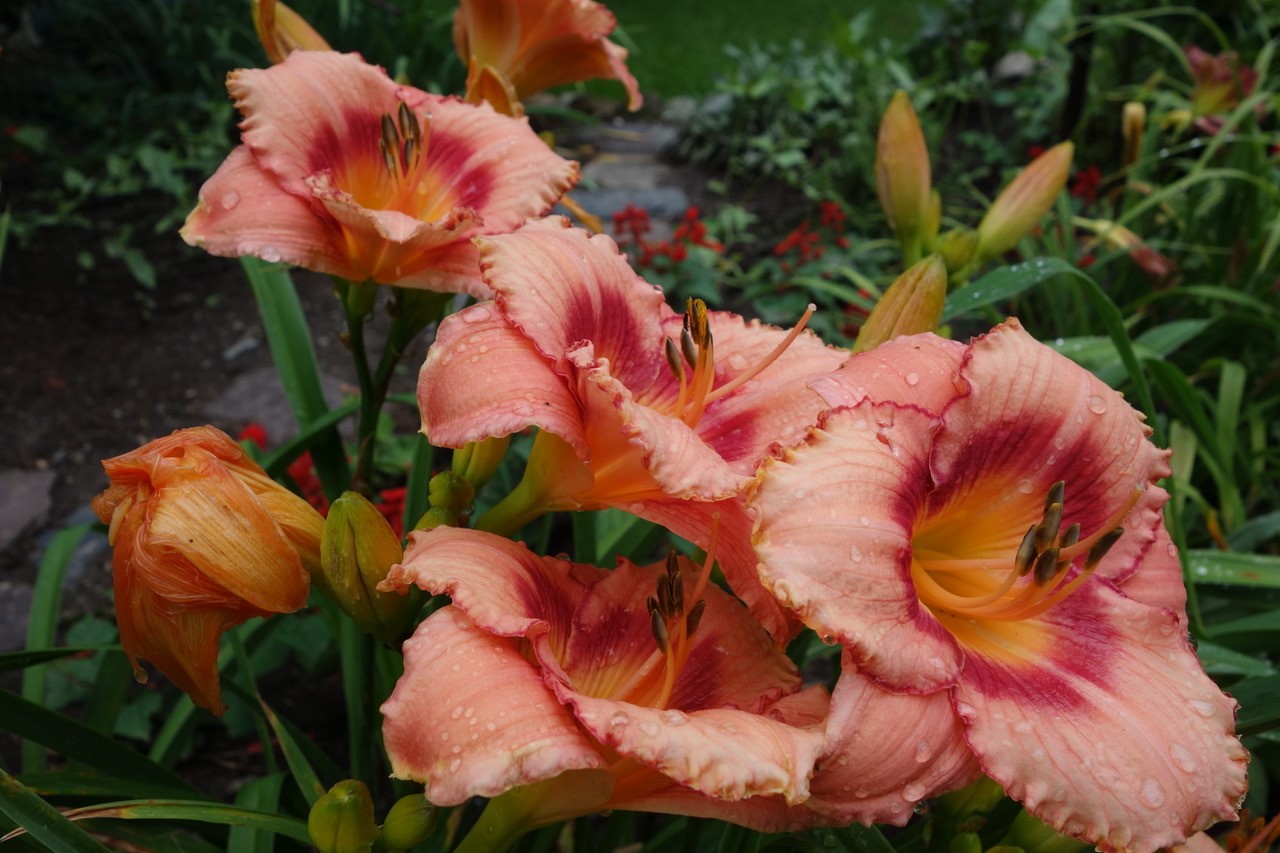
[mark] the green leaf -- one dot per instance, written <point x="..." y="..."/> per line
<point x="1220" y="660"/>
<point x="261" y="795"/>
<point x="196" y="810"/>
<point x="295" y="755"/>
<point x="295" y="358"/>
<point x="1234" y="569"/>
<point x="28" y="657"/>
<point x="1259" y="700"/>
<point x="1001" y="285"/>
<point x="46" y="604"/>
<point x="44" y="823"/>
<point x="1246" y="537"/>
<point x="81" y="743"/>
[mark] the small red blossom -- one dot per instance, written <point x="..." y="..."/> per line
<point x="256" y="433"/>
<point x="1086" y="182"/>
<point x="303" y="472"/>
<point x="832" y="215"/>
<point x="1034" y="151"/>
<point x="391" y="505"/>
<point x="631" y="225"/>
<point x="1086" y="261"/>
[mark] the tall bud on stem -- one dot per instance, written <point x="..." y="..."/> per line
<point x="1024" y="202"/>
<point x="903" y="178"/>
<point x="357" y="550"/>
<point x="912" y="304"/>
<point x="282" y="31"/>
<point x="1133" y="124"/>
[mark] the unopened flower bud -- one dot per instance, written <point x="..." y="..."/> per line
<point x="965" y="842"/>
<point x="903" y="174"/>
<point x="1133" y="124"/>
<point x="478" y="460"/>
<point x="341" y="821"/>
<point x="282" y="30"/>
<point x="409" y="822"/>
<point x="912" y="304"/>
<point x="450" y="491"/>
<point x="437" y="516"/>
<point x="956" y="247"/>
<point x="1024" y="202"/>
<point x="358" y="549"/>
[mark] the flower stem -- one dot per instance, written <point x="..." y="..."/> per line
<point x="524" y="504"/>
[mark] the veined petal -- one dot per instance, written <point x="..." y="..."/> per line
<point x="1111" y="732"/>
<point x="561" y="288"/>
<point x="472" y="717"/>
<point x="726" y="754"/>
<point x="885" y="752"/>
<point x="1157" y="581"/>
<point x="776" y="407"/>
<point x="211" y="518"/>
<point x="692" y="520"/>
<point x="917" y="370"/>
<point x="1033" y="418"/>
<point x="311" y="112"/>
<point x="483" y="379"/>
<point x="834" y="522"/>
<point x="501" y="585"/>
<point x="570" y="58"/>
<point x="244" y="211"/>
<point x="482" y="160"/>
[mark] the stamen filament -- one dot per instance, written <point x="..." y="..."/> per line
<point x="1116" y="520"/>
<point x="743" y="378"/>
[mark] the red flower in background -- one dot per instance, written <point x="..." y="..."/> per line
<point x="1085" y="184"/>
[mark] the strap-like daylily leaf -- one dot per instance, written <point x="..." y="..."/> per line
<point x="1234" y="569"/>
<point x="42" y="821"/>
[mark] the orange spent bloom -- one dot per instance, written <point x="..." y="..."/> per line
<point x="204" y="540"/>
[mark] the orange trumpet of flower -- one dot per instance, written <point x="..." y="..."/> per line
<point x="204" y="540"/>
<point x="514" y="49"/>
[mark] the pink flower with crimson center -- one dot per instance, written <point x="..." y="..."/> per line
<point x="643" y="688"/>
<point x="345" y="172"/>
<point x="980" y="527"/>
<point x="638" y="408"/>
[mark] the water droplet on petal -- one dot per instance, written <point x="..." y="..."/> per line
<point x="1201" y="707"/>
<point x="475" y="314"/>
<point x="270" y="254"/>
<point x="913" y="792"/>
<point x="619" y="718"/>
<point x="855" y="553"/>
<point x="1026" y="486"/>
<point x="1152" y="794"/>
<point x="913" y="378"/>
<point x="454" y="765"/>
<point x="922" y="751"/>
<point x="1096" y="404"/>
<point x="673" y="717"/>
<point x="650" y="728"/>
<point x="456" y="713"/>
<point x="1183" y="758"/>
<point x="230" y="200"/>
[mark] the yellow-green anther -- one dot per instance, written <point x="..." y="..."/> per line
<point x="1047" y="530"/>
<point x="695" y="616"/>
<point x="1026" y="551"/>
<point x="408" y="124"/>
<point x="1102" y="546"/>
<point x="478" y="461"/>
<point x="687" y="347"/>
<point x="696" y="311"/>
<point x="357" y="550"/>
<point x="911" y="305"/>
<point x="1046" y="566"/>
<point x="664" y="597"/>
<point x="1057" y="492"/>
<point x="659" y="627"/>
<point x="411" y="820"/>
<point x="677" y="594"/>
<point x="341" y="821"/>
<point x="1071" y="537"/>
<point x="451" y="491"/>
<point x="672" y="352"/>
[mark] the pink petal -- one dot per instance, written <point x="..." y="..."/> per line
<point x="737" y="558"/>
<point x="731" y="663"/>
<point x="1035" y="417"/>
<point x="471" y="717"/>
<point x="243" y="210"/>
<point x="501" y="585"/>
<point x="1108" y="729"/>
<point x="483" y="379"/>
<point x="835" y="518"/>
<point x="917" y="370"/>
<point x="1157" y="579"/>
<point x="312" y="112"/>
<point x="562" y="288"/>
<point x="777" y="406"/>
<point x="886" y="752"/>
<point x="726" y="754"/>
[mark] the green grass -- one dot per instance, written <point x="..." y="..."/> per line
<point x="678" y="52"/>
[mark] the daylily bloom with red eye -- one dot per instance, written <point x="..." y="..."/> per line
<point x="956" y="543"/>
<point x="580" y="689"/>
<point x="638" y="408"/>
<point x="515" y="49"/>
<point x="345" y="172"/>
<point x="1220" y="83"/>
<point x="204" y="540"/>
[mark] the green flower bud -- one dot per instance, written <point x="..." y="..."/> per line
<point x="409" y="822"/>
<point x="956" y="247"/>
<point x="357" y="550"/>
<point x="478" y="461"/>
<point x="437" y="516"/>
<point x="450" y="491"/>
<point x="912" y="304"/>
<point x="965" y="842"/>
<point x="342" y="820"/>
<point x="1024" y="202"/>
<point x="903" y="175"/>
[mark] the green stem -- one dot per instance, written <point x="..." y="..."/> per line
<point x="524" y="504"/>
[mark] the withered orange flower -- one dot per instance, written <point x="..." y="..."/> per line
<point x="204" y="540"/>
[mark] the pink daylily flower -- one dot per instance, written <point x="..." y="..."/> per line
<point x="578" y="345"/>
<point x="962" y="499"/>
<point x="545" y="672"/>
<point x="515" y="49"/>
<point x="345" y="172"/>
<point x="1220" y="82"/>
